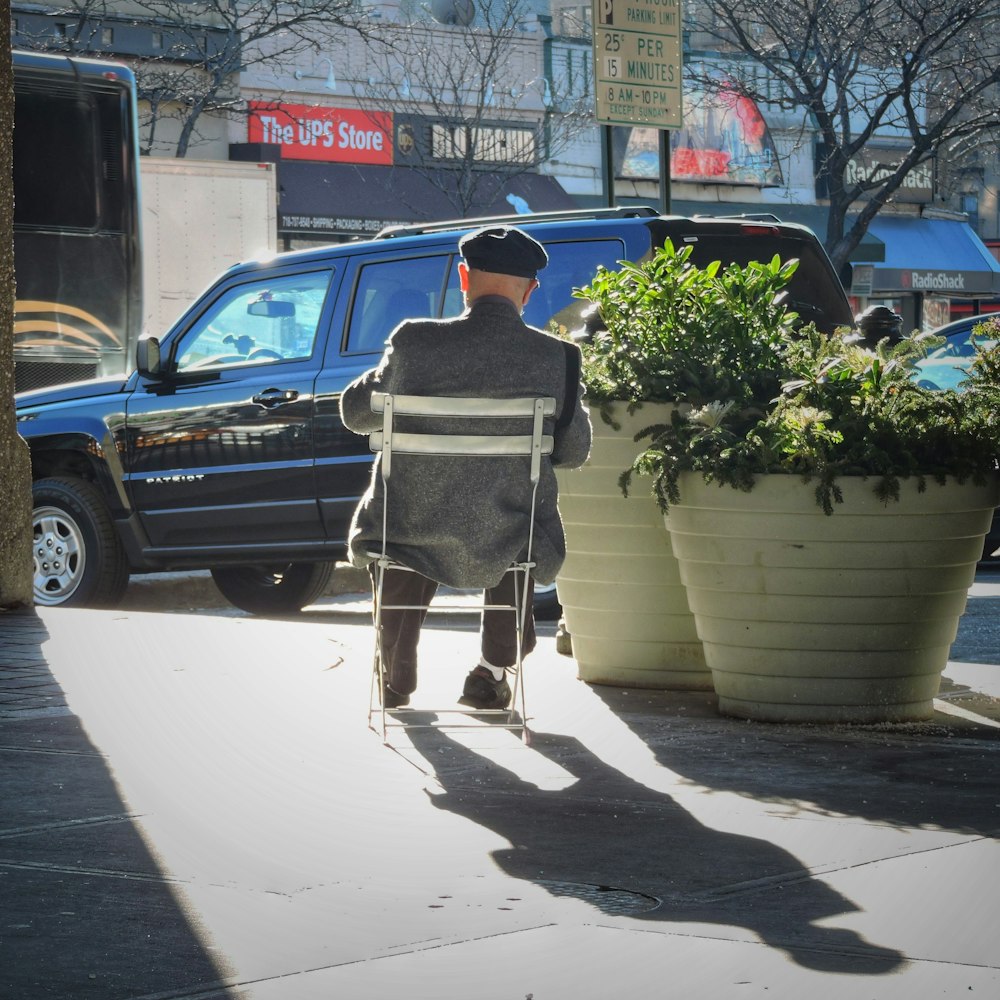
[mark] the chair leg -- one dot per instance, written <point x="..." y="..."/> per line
<point x="520" y="616"/>
<point x="375" y="693"/>
<point x="378" y="663"/>
<point x="376" y="677"/>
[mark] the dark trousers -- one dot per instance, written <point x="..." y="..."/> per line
<point x="401" y="629"/>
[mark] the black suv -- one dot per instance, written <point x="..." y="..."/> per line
<point x="224" y="449"/>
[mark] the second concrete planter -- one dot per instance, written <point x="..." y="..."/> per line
<point x="620" y="588"/>
<point x="842" y="618"/>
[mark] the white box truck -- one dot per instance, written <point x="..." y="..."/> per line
<point x="200" y="217"/>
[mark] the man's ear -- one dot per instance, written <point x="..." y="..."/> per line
<point x="463" y="276"/>
<point x="527" y="292"/>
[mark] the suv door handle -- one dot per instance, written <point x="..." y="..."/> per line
<point x="275" y="397"/>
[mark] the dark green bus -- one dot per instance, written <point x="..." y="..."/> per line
<point x="76" y="219"/>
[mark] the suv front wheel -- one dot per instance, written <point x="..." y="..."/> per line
<point x="273" y="590"/>
<point x="77" y="557"/>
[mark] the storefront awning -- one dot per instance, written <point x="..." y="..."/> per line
<point x="935" y="256"/>
<point x="327" y="198"/>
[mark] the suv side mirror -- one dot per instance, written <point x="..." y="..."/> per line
<point x="147" y="356"/>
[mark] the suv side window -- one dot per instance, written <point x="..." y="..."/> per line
<point x="260" y="322"/>
<point x="552" y="305"/>
<point x="389" y="291"/>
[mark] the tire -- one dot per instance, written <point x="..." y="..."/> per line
<point x="274" y="589"/>
<point x="78" y="558"/>
<point x="546" y="603"/>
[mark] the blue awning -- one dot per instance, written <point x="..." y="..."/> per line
<point x="935" y="256"/>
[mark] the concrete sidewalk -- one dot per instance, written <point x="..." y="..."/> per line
<point x="194" y="807"/>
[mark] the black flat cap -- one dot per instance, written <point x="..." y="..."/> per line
<point x="503" y="250"/>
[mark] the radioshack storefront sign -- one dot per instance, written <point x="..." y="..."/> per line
<point x="334" y="135"/>
<point x="934" y="281"/>
<point x="948" y="283"/>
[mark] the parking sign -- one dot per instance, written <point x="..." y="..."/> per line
<point x="637" y="62"/>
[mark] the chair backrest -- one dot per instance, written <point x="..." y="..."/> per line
<point x="390" y="441"/>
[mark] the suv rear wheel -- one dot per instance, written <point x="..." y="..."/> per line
<point x="78" y="559"/>
<point x="273" y="590"/>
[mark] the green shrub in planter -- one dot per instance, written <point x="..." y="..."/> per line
<point x="761" y="395"/>
<point x="677" y="333"/>
<point x="842" y="410"/>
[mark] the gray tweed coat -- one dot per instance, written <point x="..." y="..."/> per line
<point x="462" y="521"/>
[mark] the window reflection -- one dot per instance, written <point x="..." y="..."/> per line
<point x="261" y="322"/>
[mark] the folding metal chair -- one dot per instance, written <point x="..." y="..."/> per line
<point x="391" y="441"/>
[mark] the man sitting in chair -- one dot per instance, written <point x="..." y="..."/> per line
<point x="463" y="522"/>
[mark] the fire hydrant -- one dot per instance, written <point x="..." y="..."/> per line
<point x="879" y="323"/>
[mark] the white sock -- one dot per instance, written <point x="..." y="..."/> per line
<point x="498" y="672"/>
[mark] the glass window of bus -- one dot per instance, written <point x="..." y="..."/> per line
<point x="55" y="161"/>
<point x="260" y="322"/>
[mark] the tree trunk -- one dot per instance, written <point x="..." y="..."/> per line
<point x="15" y="479"/>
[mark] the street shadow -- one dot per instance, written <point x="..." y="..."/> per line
<point x="87" y="911"/>
<point x="904" y="775"/>
<point x="939" y="774"/>
<point x="612" y="836"/>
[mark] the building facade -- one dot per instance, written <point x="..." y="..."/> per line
<point x="391" y="113"/>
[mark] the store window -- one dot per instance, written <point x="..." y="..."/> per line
<point x="574" y="22"/>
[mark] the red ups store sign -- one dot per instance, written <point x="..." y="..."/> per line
<point x="334" y="135"/>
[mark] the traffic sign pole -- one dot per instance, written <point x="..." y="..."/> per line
<point x="608" y="164"/>
<point x="664" y="172"/>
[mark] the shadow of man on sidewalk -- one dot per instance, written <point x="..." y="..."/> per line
<point x="607" y="831"/>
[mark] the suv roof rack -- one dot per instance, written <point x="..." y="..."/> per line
<point x="748" y="216"/>
<point x="419" y="228"/>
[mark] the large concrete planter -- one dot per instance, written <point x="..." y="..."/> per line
<point x="620" y="587"/>
<point x="813" y="618"/>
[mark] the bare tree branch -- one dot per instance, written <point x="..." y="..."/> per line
<point x="478" y="96"/>
<point x="922" y="72"/>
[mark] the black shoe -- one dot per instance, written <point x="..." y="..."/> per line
<point x="483" y="690"/>
<point x="393" y="699"/>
